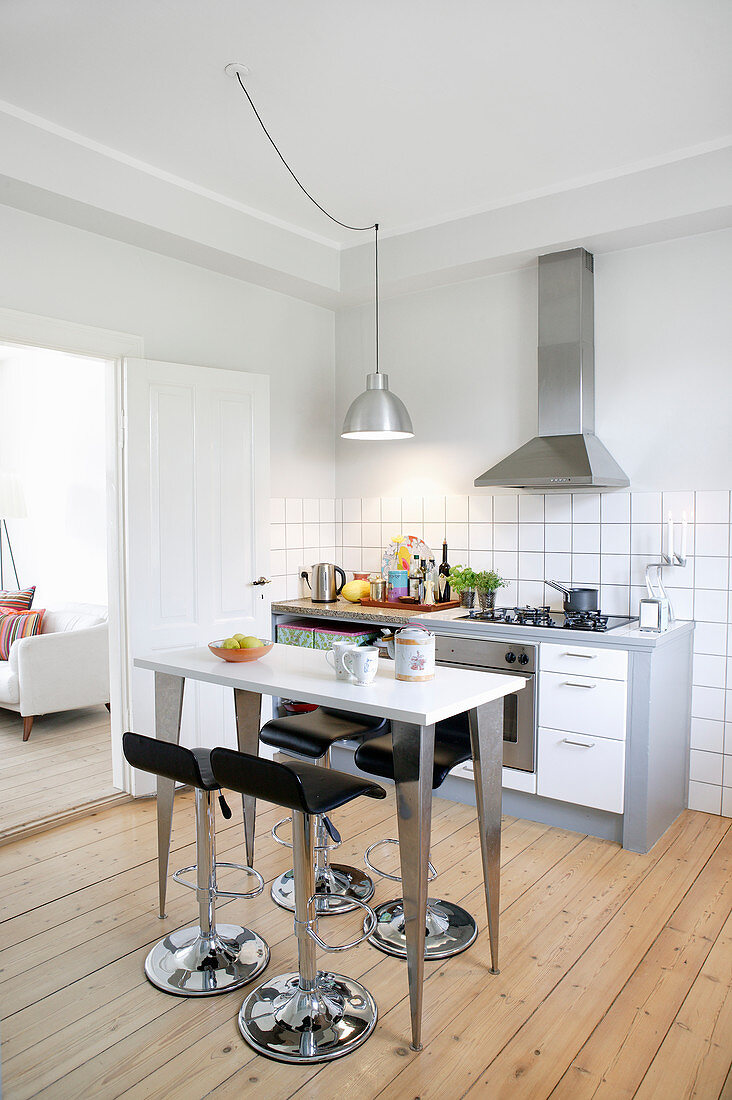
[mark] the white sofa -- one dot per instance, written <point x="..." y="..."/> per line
<point x="64" y="667"/>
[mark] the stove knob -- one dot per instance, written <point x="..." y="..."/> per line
<point x="510" y="657"/>
<point x="523" y="658"/>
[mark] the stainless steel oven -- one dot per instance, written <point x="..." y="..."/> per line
<point x="519" y="709"/>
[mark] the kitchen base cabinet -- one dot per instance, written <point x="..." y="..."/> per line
<point x="580" y="768"/>
<point x="627" y="692"/>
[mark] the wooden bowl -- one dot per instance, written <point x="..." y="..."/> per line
<point x="239" y="654"/>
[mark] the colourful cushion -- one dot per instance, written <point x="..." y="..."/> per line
<point x="18" y="624"/>
<point x="16" y="601"/>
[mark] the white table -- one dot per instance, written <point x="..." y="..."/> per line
<point x="413" y="709"/>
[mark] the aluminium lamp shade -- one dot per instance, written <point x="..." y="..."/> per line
<point x="377" y="413"/>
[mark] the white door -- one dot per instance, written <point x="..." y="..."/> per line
<point x="197" y="461"/>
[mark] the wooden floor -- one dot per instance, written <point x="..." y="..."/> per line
<point x="66" y="764"/>
<point x="615" y="969"/>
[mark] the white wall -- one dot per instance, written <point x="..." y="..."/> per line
<point x="53" y="438"/>
<point x="463" y="358"/>
<point x="191" y="315"/>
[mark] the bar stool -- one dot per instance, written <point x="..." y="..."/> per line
<point x="449" y="928"/>
<point x="206" y="958"/>
<point x="339" y="887"/>
<point x="311" y="1015"/>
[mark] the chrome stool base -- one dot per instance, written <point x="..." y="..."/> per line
<point x="339" y="889"/>
<point x="190" y="964"/>
<point x="290" y="1024"/>
<point x="449" y="929"/>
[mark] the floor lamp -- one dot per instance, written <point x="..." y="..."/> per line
<point x="12" y="506"/>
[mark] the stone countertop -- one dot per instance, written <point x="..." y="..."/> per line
<point x="453" y="624"/>
<point x="345" y="610"/>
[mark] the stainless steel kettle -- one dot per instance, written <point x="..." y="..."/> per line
<point x="323" y="586"/>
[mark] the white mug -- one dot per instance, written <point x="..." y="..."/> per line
<point x="334" y="657"/>
<point x="362" y="661"/>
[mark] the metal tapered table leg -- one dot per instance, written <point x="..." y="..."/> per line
<point x="248" y="708"/>
<point x="486" y="739"/>
<point x="414" y="748"/>
<point x="168" y="711"/>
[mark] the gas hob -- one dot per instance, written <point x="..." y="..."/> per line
<point x="591" y="621"/>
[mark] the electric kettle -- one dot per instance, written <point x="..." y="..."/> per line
<point x="323" y="587"/>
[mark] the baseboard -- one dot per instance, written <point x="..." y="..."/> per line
<point x="18" y="832"/>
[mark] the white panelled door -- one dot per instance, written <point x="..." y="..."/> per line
<point x="197" y="464"/>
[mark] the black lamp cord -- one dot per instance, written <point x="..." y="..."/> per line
<point x="355" y="228"/>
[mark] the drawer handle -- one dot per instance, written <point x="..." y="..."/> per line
<point x="572" y="684"/>
<point x="585" y="656"/>
<point x="579" y="744"/>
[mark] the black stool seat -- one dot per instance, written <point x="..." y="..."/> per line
<point x="311" y="734"/>
<point x="191" y="766"/>
<point x="452" y="747"/>
<point x="297" y="786"/>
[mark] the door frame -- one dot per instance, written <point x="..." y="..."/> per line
<point x="31" y="330"/>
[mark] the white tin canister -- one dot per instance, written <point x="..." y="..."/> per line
<point x="413" y="651"/>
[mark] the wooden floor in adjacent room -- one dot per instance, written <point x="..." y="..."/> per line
<point x="615" y="968"/>
<point x="66" y="764"/>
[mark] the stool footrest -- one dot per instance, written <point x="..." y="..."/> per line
<point x="316" y="847"/>
<point x="369" y="924"/>
<point x="178" y="877"/>
<point x="431" y="872"/>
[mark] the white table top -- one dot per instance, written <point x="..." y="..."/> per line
<point x="303" y="674"/>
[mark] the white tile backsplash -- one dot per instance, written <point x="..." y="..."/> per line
<point x="711" y="540"/>
<point x="586" y="508"/>
<point x="456" y="509"/>
<point x="531" y="537"/>
<point x="558" y="508"/>
<point x="370" y="510"/>
<point x="311" y="510"/>
<point x="645" y="507"/>
<point x="480" y="509"/>
<point x="531" y="509"/>
<point x="712" y="506"/>
<point x="586" y="538"/>
<point x="578" y="539"/>
<point x="505" y="509"/>
<point x="615" y="508"/>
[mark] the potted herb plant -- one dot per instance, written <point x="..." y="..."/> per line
<point x="462" y="581"/>
<point x="486" y="585"/>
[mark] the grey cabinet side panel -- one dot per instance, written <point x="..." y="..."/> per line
<point x="657" y="761"/>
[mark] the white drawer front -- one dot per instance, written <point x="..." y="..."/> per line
<point x="608" y="664"/>
<point x="582" y="704"/>
<point x="589" y="771"/>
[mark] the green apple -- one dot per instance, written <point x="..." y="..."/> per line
<point x="239" y="637"/>
<point x="230" y="643"/>
<point x="249" y="643"/>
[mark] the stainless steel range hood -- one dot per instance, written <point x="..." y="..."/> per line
<point x="566" y="454"/>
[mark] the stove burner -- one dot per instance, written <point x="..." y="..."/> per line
<point x="585" y="620"/>
<point x="544" y="616"/>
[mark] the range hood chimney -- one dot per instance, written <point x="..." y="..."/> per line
<point x="566" y="454"/>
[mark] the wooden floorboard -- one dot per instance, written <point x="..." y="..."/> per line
<point x="615" y="968"/>
<point x="66" y="765"/>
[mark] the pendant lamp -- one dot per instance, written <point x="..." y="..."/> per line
<point x="377" y="413"/>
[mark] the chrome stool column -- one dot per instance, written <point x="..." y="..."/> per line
<point x="311" y="1015"/>
<point x="339" y="887"/>
<point x="207" y="958"/>
<point x="449" y="929"/>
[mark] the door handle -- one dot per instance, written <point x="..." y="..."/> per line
<point x="579" y="744"/>
<point x="262" y="580"/>
<point x="585" y="656"/>
<point x="572" y="684"/>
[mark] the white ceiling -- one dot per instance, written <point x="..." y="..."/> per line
<point x="409" y="111"/>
